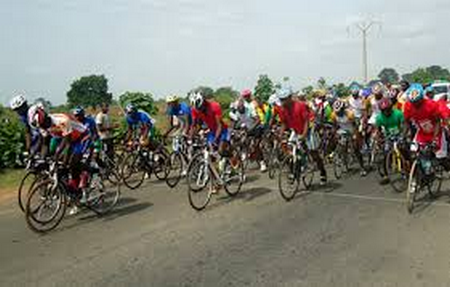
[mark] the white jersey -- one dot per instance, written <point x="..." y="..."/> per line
<point x="248" y="118"/>
<point x="374" y="104"/>
<point x="356" y="106"/>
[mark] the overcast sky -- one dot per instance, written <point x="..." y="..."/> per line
<point x="171" y="46"/>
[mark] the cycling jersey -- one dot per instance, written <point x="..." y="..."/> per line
<point x="208" y="116"/>
<point x="375" y="109"/>
<point x="140" y="119"/>
<point x="295" y="117"/>
<point x="356" y="105"/>
<point x="63" y="125"/>
<point x="90" y="124"/>
<point x="180" y="111"/>
<point x="248" y="118"/>
<point x="391" y="125"/>
<point x="425" y="116"/>
<point x="344" y="121"/>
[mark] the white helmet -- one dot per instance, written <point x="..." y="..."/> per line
<point x="274" y="100"/>
<point x="196" y="100"/>
<point x="284" y="93"/>
<point x="172" y="98"/>
<point x="17" y="102"/>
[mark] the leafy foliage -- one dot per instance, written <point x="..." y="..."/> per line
<point x="143" y="101"/>
<point x="389" y="75"/>
<point x="428" y="75"/>
<point x="89" y="91"/>
<point x="322" y="84"/>
<point x="225" y="96"/>
<point x="264" y="88"/>
<point x="341" y="90"/>
<point x="11" y="139"/>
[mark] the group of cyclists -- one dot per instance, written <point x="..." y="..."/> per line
<point x="367" y="116"/>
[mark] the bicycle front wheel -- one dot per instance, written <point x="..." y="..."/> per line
<point x="133" y="171"/>
<point x="287" y="179"/>
<point x="198" y="180"/>
<point x="397" y="172"/>
<point x="103" y="196"/>
<point x="413" y="186"/>
<point x="45" y="207"/>
<point x="26" y="184"/>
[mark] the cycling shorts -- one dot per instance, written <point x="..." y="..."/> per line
<point x="224" y="137"/>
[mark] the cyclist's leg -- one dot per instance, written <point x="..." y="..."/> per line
<point x="312" y="144"/>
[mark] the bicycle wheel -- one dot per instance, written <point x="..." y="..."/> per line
<point x="162" y="166"/>
<point x="26" y="184"/>
<point x="308" y="173"/>
<point x="287" y="179"/>
<point x="434" y="183"/>
<point x="175" y="169"/>
<point x="396" y="169"/>
<point x="110" y="171"/>
<point x="103" y="196"/>
<point x="46" y="207"/>
<point x="233" y="176"/>
<point x="133" y="171"/>
<point x="198" y="181"/>
<point x="413" y="186"/>
<point x="338" y="164"/>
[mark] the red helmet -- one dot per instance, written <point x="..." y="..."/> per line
<point x="384" y="104"/>
<point x="246" y="94"/>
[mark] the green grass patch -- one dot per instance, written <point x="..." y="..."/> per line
<point x="10" y="178"/>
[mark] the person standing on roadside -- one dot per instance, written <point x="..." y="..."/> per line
<point x="104" y="128"/>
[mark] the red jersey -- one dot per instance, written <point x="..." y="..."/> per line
<point x="212" y="111"/>
<point x="425" y="116"/>
<point x="295" y="117"/>
<point x="443" y="109"/>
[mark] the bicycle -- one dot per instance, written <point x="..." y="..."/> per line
<point x="295" y="167"/>
<point x="110" y="167"/>
<point x="202" y="173"/>
<point x="341" y="157"/>
<point x="396" y="166"/>
<point x="182" y="152"/>
<point x="47" y="202"/>
<point x="141" y="162"/>
<point x="426" y="172"/>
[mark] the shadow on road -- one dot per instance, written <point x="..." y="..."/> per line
<point x="245" y="195"/>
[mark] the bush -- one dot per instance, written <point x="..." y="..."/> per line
<point x="12" y="139"/>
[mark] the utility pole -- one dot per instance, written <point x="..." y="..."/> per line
<point x="364" y="28"/>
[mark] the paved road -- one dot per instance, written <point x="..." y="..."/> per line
<point x="353" y="233"/>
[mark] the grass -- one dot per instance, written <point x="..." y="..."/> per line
<point x="10" y="179"/>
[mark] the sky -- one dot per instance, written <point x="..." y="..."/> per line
<point x="171" y="46"/>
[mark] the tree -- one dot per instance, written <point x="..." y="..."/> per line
<point x="47" y="104"/>
<point x="341" y="90"/>
<point x="420" y="75"/>
<point x="225" y="96"/>
<point x="264" y="88"/>
<point x="322" y="83"/>
<point x="143" y="101"/>
<point x="89" y="91"/>
<point x="438" y="73"/>
<point x="308" y="91"/>
<point x="388" y="75"/>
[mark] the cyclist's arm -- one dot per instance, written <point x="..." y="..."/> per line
<point x="170" y="120"/>
<point x="27" y="138"/>
<point x="219" y="128"/>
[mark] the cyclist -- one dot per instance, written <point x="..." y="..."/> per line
<point x="272" y="116"/>
<point x="258" y="106"/>
<point x="427" y="117"/>
<point x="179" y="115"/>
<point x="295" y="117"/>
<point x="105" y="128"/>
<point x="244" y="116"/>
<point x="389" y="123"/>
<point x="67" y="140"/>
<point x="139" y="122"/>
<point x="20" y="105"/>
<point x="344" y="122"/>
<point x="94" y="143"/>
<point x="402" y="97"/>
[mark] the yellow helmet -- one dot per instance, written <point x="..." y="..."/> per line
<point x="172" y="98"/>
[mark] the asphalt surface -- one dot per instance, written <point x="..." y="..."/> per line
<point x="351" y="233"/>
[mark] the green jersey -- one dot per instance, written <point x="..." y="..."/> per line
<point x="391" y="125"/>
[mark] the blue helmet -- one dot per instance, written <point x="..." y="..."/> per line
<point x="78" y="111"/>
<point x="354" y="89"/>
<point x="415" y="93"/>
<point x="130" y="109"/>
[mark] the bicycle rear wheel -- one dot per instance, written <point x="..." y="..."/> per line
<point x="46" y="207"/>
<point x="198" y="181"/>
<point x="338" y="164"/>
<point x="162" y="165"/>
<point x="133" y="171"/>
<point x="175" y="169"/>
<point x="103" y="196"/>
<point x="287" y="179"/>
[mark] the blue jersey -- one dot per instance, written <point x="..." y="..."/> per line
<point x="90" y="125"/>
<point x="181" y="110"/>
<point x="139" y="120"/>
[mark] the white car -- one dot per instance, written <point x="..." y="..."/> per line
<point x="441" y="90"/>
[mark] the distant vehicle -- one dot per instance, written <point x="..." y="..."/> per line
<point x="441" y="90"/>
